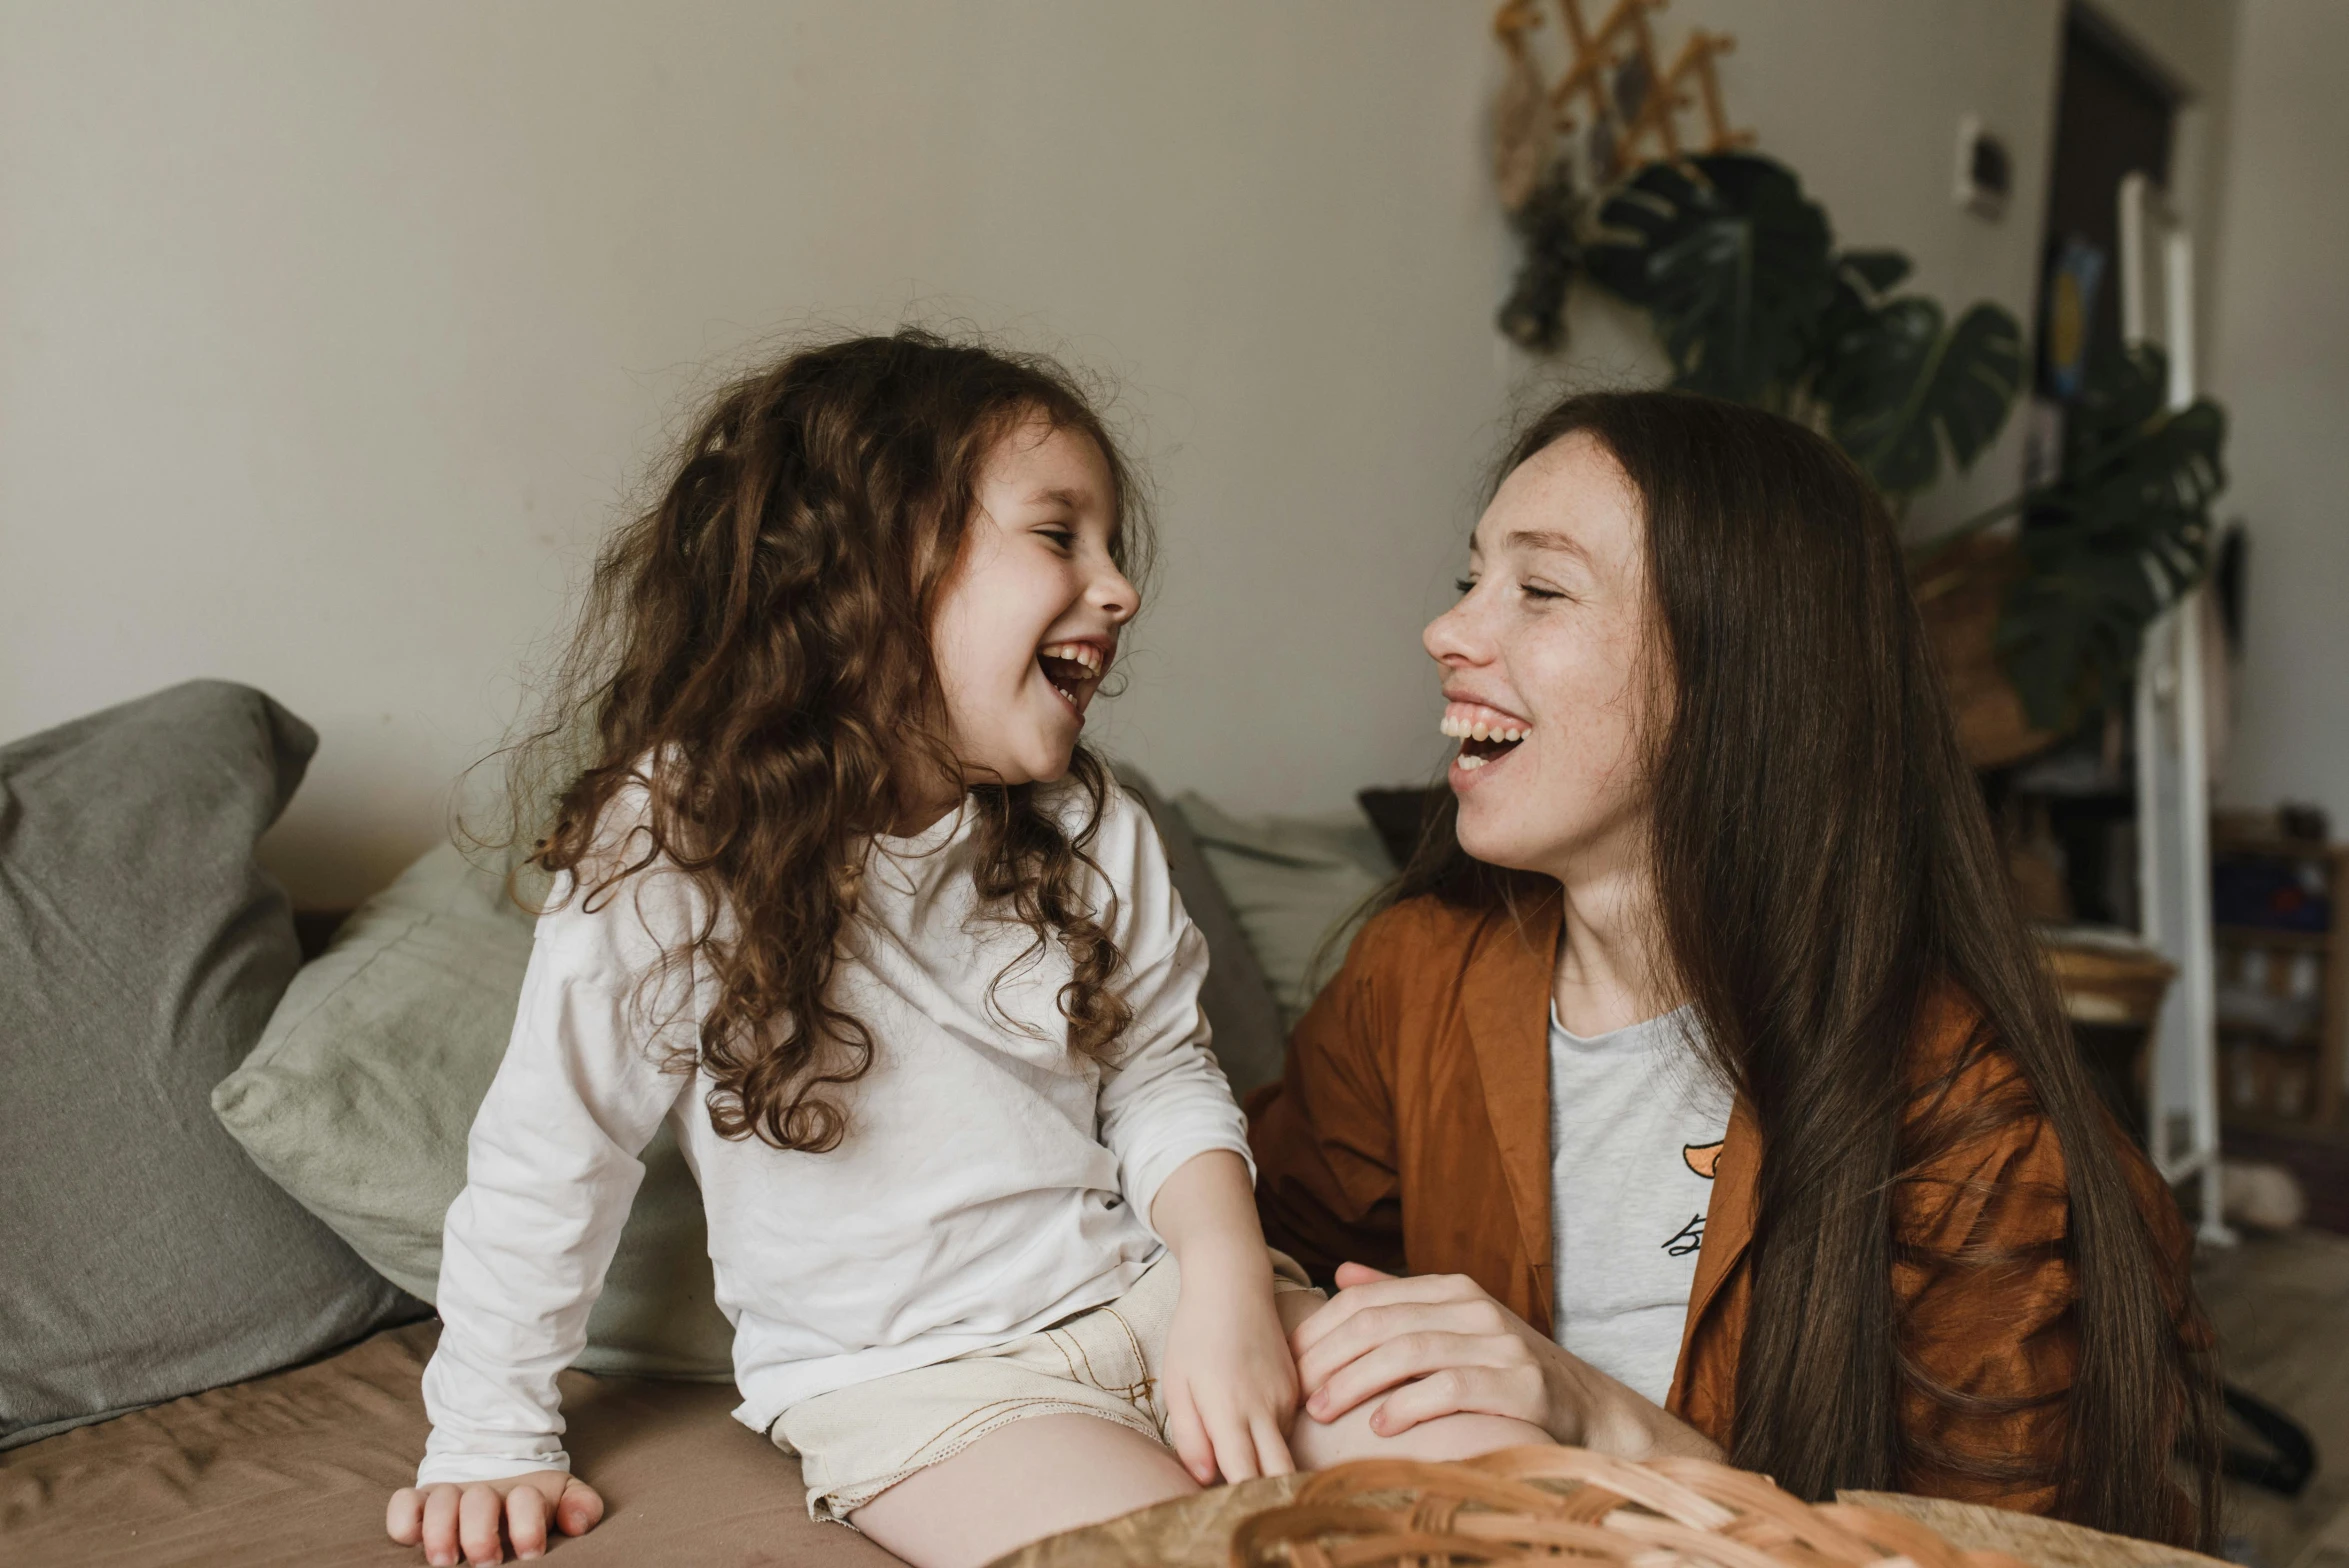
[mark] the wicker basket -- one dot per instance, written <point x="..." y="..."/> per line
<point x="1551" y="1505"/>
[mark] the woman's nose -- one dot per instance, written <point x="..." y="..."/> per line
<point x="1450" y="639"/>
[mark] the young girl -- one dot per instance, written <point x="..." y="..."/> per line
<point x="840" y="897"/>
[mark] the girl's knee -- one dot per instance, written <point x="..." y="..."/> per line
<point x="1317" y="1445"/>
<point x="1465" y="1436"/>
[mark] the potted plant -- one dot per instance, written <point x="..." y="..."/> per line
<point x="1738" y="273"/>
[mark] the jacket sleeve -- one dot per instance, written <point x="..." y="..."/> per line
<point x="1327" y="1184"/>
<point x="1985" y="1305"/>
<point x="1988" y="1300"/>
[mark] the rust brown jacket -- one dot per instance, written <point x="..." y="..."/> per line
<point x="1411" y="1132"/>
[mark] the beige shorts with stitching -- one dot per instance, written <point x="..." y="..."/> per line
<point x="857" y="1442"/>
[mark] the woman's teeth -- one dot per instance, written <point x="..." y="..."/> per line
<point x="1467" y="721"/>
<point x="1485" y="734"/>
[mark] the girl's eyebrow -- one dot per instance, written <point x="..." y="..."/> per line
<point x="1074" y="500"/>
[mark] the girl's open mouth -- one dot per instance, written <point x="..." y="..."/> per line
<point x="1486" y="735"/>
<point x="1074" y="670"/>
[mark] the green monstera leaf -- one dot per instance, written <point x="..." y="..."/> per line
<point x="1899" y="387"/>
<point x="2122" y="533"/>
<point x="1730" y="261"/>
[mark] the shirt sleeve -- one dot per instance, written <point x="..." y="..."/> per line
<point x="1163" y="1097"/>
<point x="552" y="1167"/>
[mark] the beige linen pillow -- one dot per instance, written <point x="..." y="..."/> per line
<point x="361" y="1092"/>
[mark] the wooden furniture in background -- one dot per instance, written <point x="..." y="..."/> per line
<point x="2292" y="1078"/>
<point x="2112" y="986"/>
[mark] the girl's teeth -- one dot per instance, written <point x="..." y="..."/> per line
<point x="1076" y="653"/>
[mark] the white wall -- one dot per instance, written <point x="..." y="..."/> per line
<point x="332" y="334"/>
<point x="2281" y="365"/>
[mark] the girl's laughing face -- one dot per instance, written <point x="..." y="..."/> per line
<point x="1028" y="623"/>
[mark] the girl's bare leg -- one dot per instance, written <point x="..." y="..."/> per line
<point x="1317" y="1446"/>
<point x="1018" y="1484"/>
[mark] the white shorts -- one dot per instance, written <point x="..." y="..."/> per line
<point x="857" y="1442"/>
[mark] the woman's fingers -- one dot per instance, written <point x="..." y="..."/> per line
<point x="1384" y="1291"/>
<point x="580" y="1509"/>
<point x="526" y="1516"/>
<point x="479" y="1510"/>
<point x="440" y="1526"/>
<point x="1367" y="1328"/>
<point x="1492" y="1391"/>
<point x="1353" y="1274"/>
<point x="1421" y="1354"/>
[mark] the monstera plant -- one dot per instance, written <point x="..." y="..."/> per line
<point x="1738" y="273"/>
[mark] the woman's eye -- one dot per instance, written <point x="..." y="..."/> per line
<point x="1532" y="592"/>
<point x="1464" y="585"/>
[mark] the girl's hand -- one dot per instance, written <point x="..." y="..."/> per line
<point x="476" y="1515"/>
<point x="1443" y="1345"/>
<point x="1229" y="1383"/>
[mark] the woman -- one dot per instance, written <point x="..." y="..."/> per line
<point x="1700" y="1066"/>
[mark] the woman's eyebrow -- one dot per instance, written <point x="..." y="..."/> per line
<point x="1547" y="539"/>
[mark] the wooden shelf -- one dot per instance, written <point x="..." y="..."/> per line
<point x="2264" y="936"/>
<point x="2315" y="1058"/>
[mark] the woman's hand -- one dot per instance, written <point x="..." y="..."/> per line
<point x="476" y="1515"/>
<point x="1229" y="1383"/>
<point x="1443" y="1345"/>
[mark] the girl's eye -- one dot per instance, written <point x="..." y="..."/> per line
<point x="1464" y="585"/>
<point x="1062" y="539"/>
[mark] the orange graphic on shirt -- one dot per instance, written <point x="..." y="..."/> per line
<point x="1702" y="1157"/>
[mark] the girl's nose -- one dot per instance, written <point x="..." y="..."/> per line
<point x="1114" y="596"/>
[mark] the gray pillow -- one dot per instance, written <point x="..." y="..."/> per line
<point x="361" y="1091"/>
<point x="1251" y="1040"/>
<point x="141" y="950"/>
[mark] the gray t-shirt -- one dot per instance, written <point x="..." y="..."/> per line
<point x="1636" y="1123"/>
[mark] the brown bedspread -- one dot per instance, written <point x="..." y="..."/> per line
<point x="296" y="1468"/>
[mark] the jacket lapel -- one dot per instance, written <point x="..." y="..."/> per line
<point x="1729" y="1227"/>
<point x="1505" y="1002"/>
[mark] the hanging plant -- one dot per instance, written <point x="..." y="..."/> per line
<point x="1738" y="272"/>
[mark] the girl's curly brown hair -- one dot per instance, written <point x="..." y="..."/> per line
<point x="763" y="631"/>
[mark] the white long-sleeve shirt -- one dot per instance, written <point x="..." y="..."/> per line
<point x="992" y="1181"/>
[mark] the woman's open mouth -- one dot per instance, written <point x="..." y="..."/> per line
<point x="1486" y="735"/>
<point x="1074" y="670"/>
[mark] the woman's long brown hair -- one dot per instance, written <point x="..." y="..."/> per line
<point x="755" y="657"/>
<point x="1825" y="869"/>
